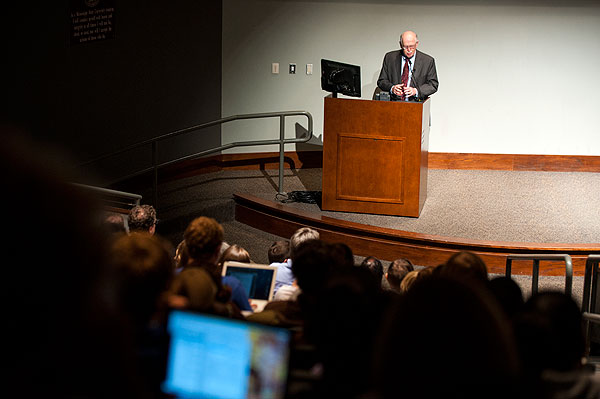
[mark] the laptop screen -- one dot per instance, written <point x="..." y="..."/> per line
<point x="213" y="357"/>
<point x="258" y="280"/>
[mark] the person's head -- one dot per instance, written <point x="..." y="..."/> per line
<point x="549" y="333"/>
<point x="235" y="253"/>
<point x="409" y="42"/>
<point x="342" y="253"/>
<point x="508" y="293"/>
<point x="374" y="266"/>
<point x="203" y="238"/>
<point x="279" y="251"/>
<point x="465" y="265"/>
<point x="396" y="272"/>
<point x="143" y="269"/>
<point x="301" y="235"/>
<point x="142" y="218"/>
<point x="114" y="223"/>
<point x="454" y="320"/>
<point x="312" y="265"/>
<point x="408" y="281"/>
<point x="342" y="328"/>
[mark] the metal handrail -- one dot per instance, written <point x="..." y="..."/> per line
<point x="154" y="142"/>
<point x="590" y="278"/>
<point x="121" y="194"/>
<point x="536" y="258"/>
<point x="588" y="301"/>
<point x="593" y="317"/>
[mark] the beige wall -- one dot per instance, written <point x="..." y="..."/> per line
<point x="513" y="78"/>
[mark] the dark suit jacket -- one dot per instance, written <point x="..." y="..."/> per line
<point x="424" y="77"/>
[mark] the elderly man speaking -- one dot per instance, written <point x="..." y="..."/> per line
<point x="408" y="74"/>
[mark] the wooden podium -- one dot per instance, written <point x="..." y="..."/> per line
<point x="375" y="156"/>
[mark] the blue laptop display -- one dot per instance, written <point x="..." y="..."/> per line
<point x="213" y="357"/>
<point x="258" y="280"/>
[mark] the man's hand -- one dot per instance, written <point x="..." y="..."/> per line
<point x="410" y="91"/>
<point x="398" y="89"/>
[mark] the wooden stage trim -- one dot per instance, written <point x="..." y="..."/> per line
<point x="437" y="160"/>
<point x="514" y="162"/>
<point x="385" y="243"/>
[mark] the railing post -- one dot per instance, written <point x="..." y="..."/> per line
<point x="508" y="271"/>
<point x="281" y="151"/>
<point x="535" y="276"/>
<point x="568" y="275"/>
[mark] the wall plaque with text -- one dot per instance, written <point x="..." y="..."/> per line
<point x="91" y="20"/>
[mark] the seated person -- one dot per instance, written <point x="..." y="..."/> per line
<point x="142" y="269"/>
<point x="279" y="252"/>
<point x="198" y="285"/>
<point x="551" y="343"/>
<point x="238" y="294"/>
<point x="285" y="276"/>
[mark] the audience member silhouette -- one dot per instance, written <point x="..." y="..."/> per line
<point x="114" y="223"/>
<point x="550" y="338"/>
<point x="142" y="269"/>
<point x="142" y="218"/>
<point x="446" y="338"/>
<point x="508" y="293"/>
<point x="343" y="327"/>
<point x="343" y="253"/>
<point x="62" y="335"/>
<point x="396" y="272"/>
<point x="373" y="265"/>
<point x="467" y="265"/>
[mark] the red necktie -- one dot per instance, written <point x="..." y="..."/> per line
<point x="404" y="79"/>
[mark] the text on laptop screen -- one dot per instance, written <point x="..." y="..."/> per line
<point x="211" y="357"/>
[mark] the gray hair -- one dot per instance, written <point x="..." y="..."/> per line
<point x="301" y="235"/>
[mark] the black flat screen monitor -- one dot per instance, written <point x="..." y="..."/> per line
<point x="337" y="77"/>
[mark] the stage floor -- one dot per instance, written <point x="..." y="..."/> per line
<point x="539" y="207"/>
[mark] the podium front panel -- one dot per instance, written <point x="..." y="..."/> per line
<point x="381" y="177"/>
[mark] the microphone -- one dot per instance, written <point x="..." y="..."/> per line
<point x="413" y="78"/>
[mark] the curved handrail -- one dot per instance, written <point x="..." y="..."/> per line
<point x="154" y="142"/>
<point x="536" y="258"/>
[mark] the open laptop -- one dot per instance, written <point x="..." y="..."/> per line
<point x="258" y="281"/>
<point x="216" y="357"/>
